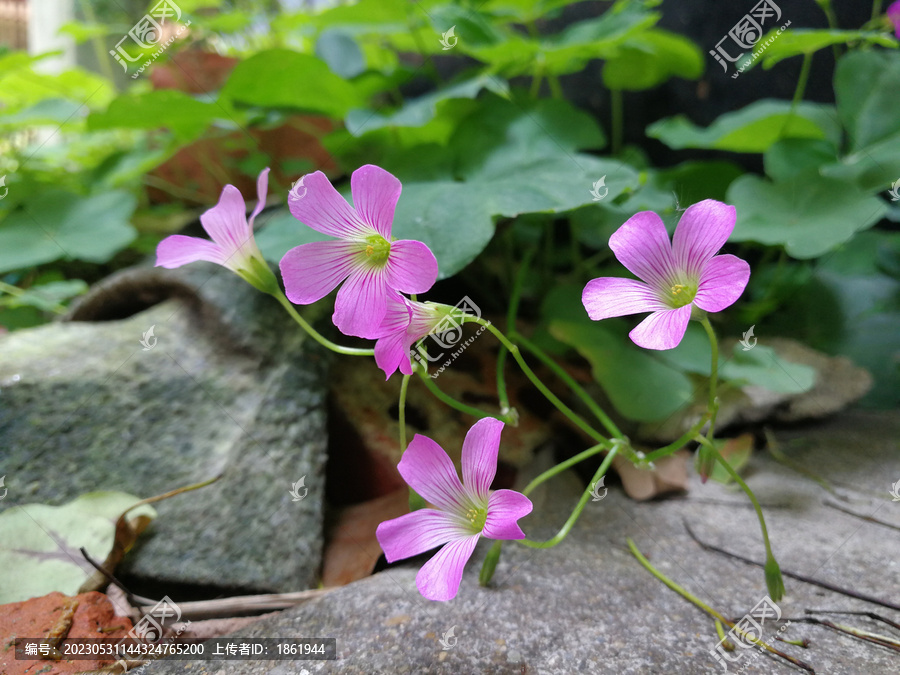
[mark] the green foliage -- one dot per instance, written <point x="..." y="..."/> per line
<point x="807" y="214"/>
<point x="751" y="129"/>
<point x="173" y="110"/>
<point x="625" y="371"/>
<point x="476" y="153"/>
<point x="64" y="225"/>
<point x="280" y="78"/>
<point x="802" y="41"/>
<point x="650" y="59"/>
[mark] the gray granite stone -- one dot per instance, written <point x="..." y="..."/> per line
<point x="229" y="387"/>
<point x="587" y="606"/>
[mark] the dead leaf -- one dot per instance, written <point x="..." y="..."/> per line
<point x="352" y="550"/>
<point x="670" y="475"/>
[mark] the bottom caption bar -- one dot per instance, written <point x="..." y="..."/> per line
<point x="182" y="649"/>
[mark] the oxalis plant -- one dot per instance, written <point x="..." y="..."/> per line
<point x="379" y="277"/>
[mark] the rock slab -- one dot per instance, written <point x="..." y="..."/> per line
<point x="225" y="385"/>
<point x="587" y="605"/>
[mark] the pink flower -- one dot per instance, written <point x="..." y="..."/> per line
<point x="893" y="13"/>
<point x="675" y="277"/>
<point x="232" y="245"/>
<point x="465" y="510"/>
<point x="405" y="323"/>
<point x="362" y="256"/>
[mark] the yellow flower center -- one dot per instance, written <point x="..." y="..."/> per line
<point x="681" y="294"/>
<point x="477" y="518"/>
<point x="377" y="249"/>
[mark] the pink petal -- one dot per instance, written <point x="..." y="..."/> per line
<point x="314" y="202"/>
<point x="642" y="245"/>
<point x="411" y="267"/>
<point x="893" y="13"/>
<point x="721" y="283"/>
<point x="391" y="354"/>
<point x="610" y="296"/>
<point x="702" y="231"/>
<point x="663" y="329"/>
<point x="479" y="457"/>
<point x="428" y="470"/>
<point x="417" y="532"/>
<point x="361" y="303"/>
<point x="505" y="507"/>
<point x="226" y="222"/>
<point x="311" y="271"/>
<point x="391" y="351"/>
<point x="440" y="577"/>
<point x="375" y="194"/>
<point x="179" y="250"/>
<point x="262" y="188"/>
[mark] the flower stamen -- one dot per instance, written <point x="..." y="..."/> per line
<point x="477" y="518"/>
<point x="377" y="249"/>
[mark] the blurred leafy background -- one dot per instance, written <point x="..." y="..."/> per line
<point x="498" y="139"/>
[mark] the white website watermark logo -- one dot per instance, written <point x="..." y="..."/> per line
<point x="595" y="191"/>
<point x="5" y="489"/>
<point x="447" y="37"/>
<point x="746" y="33"/>
<point x="449" y="639"/>
<point x="748" y="341"/>
<point x="747" y="633"/>
<point x="895" y="491"/>
<point x="148" y="33"/>
<point x="298" y="189"/>
<point x="3" y="185"/>
<point x="295" y="489"/>
<point x="595" y="489"/>
<point x="894" y="192"/>
<point x="152" y="626"/>
<point x="148" y="339"/>
<point x="448" y="334"/>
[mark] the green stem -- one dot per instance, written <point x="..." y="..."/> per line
<point x="508" y="417"/>
<point x="315" y="335"/>
<point x="774" y="581"/>
<point x="677" y="445"/>
<point x="416" y="501"/>
<point x="502" y="394"/>
<point x="549" y="395"/>
<point x="746" y="488"/>
<point x="555" y="87"/>
<point x="801" y="81"/>
<point x="832" y="23"/>
<point x="19" y="292"/>
<point x="401" y="416"/>
<point x="579" y="507"/>
<point x="562" y="466"/>
<point x="713" y="375"/>
<point x="617" y="110"/>
<point x="103" y="60"/>
<point x="570" y="382"/>
<point x="536" y="79"/>
<point x="683" y="592"/>
<point x="511" y="313"/>
<point x="798" y="92"/>
<point x="876" y="9"/>
<point x="690" y="597"/>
